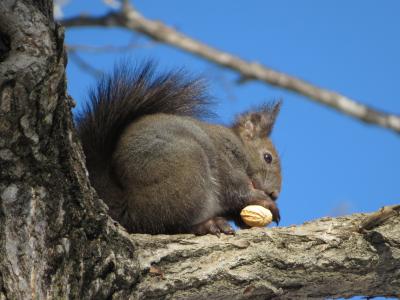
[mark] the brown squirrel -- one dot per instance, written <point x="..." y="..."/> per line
<point x="160" y="169"/>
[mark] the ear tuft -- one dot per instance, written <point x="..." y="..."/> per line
<point x="270" y="113"/>
<point x="258" y="123"/>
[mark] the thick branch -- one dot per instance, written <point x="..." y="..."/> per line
<point x="129" y="18"/>
<point x="323" y="258"/>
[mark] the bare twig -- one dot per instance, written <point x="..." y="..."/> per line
<point x="379" y="217"/>
<point x="129" y="17"/>
<point x="107" y="48"/>
<point x="85" y="66"/>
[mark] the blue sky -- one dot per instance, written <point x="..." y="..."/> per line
<point x="331" y="163"/>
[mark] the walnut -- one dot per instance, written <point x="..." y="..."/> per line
<point x="256" y="215"/>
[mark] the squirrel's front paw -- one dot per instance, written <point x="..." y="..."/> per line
<point x="215" y="226"/>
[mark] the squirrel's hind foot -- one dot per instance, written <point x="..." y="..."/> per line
<point x="215" y="226"/>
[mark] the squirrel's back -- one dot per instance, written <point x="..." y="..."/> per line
<point x="128" y="94"/>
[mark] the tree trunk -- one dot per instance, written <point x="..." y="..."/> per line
<point x="58" y="242"/>
<point x="55" y="237"/>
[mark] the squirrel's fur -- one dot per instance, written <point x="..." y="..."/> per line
<point x="160" y="169"/>
<point x="129" y="93"/>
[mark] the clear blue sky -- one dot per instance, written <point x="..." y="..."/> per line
<point x="331" y="163"/>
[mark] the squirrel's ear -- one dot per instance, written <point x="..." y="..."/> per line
<point x="258" y="123"/>
<point x="248" y="129"/>
<point x="268" y="117"/>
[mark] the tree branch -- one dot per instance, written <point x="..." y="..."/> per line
<point x="131" y="19"/>
<point x="106" y="48"/>
<point x="85" y="66"/>
<point x="320" y="259"/>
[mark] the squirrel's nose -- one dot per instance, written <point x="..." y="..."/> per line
<point x="274" y="195"/>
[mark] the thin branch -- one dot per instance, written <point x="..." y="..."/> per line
<point x="130" y="18"/>
<point x="85" y="66"/>
<point x="107" y="48"/>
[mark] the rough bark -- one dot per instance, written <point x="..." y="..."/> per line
<point x="55" y="237"/>
<point x="57" y="242"/>
<point x="321" y="259"/>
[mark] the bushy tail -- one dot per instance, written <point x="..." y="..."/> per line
<point x="129" y="93"/>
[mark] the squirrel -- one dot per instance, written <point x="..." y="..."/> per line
<point x="161" y="169"/>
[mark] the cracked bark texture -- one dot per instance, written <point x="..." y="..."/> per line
<point x="57" y="242"/>
<point x="320" y="259"/>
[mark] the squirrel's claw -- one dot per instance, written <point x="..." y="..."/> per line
<point x="215" y="226"/>
<point x="268" y="204"/>
<point x="224" y="226"/>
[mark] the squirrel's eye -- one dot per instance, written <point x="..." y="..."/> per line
<point x="268" y="157"/>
